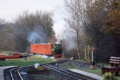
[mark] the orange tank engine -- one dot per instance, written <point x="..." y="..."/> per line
<point x="47" y="49"/>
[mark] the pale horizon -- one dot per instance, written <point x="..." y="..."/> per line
<point x="10" y="9"/>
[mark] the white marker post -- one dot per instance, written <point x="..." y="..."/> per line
<point x="92" y="55"/>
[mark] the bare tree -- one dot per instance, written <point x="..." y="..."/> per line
<point x="27" y="28"/>
<point x="7" y="42"/>
<point x="33" y="27"/>
<point x="77" y="18"/>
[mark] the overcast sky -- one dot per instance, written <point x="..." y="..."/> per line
<point x="9" y="9"/>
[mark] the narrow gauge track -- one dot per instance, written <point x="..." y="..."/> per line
<point x="15" y="75"/>
<point x="65" y="73"/>
<point x="24" y="70"/>
<point x="12" y="74"/>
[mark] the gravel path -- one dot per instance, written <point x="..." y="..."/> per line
<point x="75" y="64"/>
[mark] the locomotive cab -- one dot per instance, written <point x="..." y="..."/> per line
<point x="57" y="50"/>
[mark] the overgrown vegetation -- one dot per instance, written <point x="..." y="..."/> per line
<point x="109" y="76"/>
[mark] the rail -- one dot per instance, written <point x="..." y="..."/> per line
<point x="64" y="72"/>
<point x="14" y="74"/>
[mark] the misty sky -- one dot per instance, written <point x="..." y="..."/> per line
<point x="10" y="9"/>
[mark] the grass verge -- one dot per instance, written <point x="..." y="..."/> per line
<point x="94" y="71"/>
<point x="23" y="62"/>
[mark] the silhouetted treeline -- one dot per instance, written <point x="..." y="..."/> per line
<point x="106" y="44"/>
<point x="96" y="23"/>
<point x="27" y="28"/>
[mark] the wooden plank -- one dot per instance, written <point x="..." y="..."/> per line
<point x="114" y="63"/>
<point x="115" y="58"/>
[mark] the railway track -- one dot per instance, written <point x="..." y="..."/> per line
<point x="12" y="74"/>
<point x="65" y="73"/>
<point x="23" y="72"/>
<point x="17" y="73"/>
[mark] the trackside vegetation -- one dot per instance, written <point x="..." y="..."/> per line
<point x="26" y="61"/>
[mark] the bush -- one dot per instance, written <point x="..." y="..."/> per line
<point x="109" y="76"/>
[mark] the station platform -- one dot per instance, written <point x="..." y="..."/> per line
<point x="2" y="68"/>
<point x="86" y="74"/>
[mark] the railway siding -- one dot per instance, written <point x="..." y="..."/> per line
<point x="2" y="71"/>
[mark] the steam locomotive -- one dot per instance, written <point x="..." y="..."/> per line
<point x="47" y="49"/>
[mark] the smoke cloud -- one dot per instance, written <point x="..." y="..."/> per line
<point x="37" y="35"/>
<point x="62" y="30"/>
<point x="59" y="23"/>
